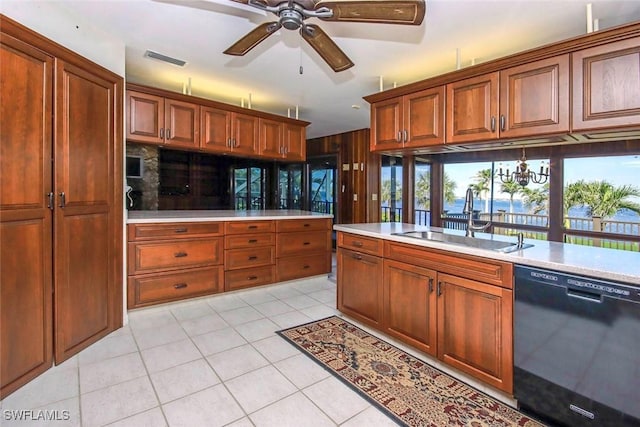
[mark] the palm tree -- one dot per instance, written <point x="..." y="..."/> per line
<point x="385" y="192"/>
<point x="511" y="188"/>
<point x="423" y="189"/>
<point x="483" y="186"/>
<point x="605" y="200"/>
<point x="536" y="200"/>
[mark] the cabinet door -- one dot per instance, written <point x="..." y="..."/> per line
<point x="244" y="134"/>
<point x="472" y="109"/>
<point x="181" y="123"/>
<point x="145" y="117"/>
<point x="386" y="125"/>
<point x="410" y="305"/>
<point x="295" y="142"/>
<point x="271" y="139"/>
<point x="26" y="333"/>
<point x="475" y="329"/>
<point x="534" y="98"/>
<point x="606" y="86"/>
<point x="424" y="117"/>
<point x="360" y="286"/>
<point x="88" y="221"/>
<point x="215" y="132"/>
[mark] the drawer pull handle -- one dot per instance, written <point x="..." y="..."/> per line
<point x="356" y="256"/>
<point x="252" y="227"/>
<point x="357" y="244"/>
<point x="253" y="258"/>
<point x="180" y="254"/>
<point x="306" y="243"/>
<point x="307" y="225"/>
<point x="252" y="278"/>
<point x="253" y="241"/>
<point x="180" y="285"/>
<point x="306" y="267"/>
<point x="181" y="230"/>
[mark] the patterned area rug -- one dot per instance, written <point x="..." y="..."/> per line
<point x="411" y="392"/>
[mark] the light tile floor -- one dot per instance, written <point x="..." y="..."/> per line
<point x="212" y="361"/>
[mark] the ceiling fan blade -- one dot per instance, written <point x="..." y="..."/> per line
<point x="326" y="48"/>
<point x="251" y="40"/>
<point x="385" y="12"/>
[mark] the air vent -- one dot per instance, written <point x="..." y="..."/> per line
<point x="165" y="58"/>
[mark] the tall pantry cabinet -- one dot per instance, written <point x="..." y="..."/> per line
<point x="60" y="204"/>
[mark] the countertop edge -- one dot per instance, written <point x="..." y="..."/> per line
<point x="520" y="257"/>
<point x="157" y="217"/>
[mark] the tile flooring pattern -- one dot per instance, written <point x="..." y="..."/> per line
<point x="212" y="361"/>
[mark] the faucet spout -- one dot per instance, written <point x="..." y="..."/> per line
<point x="468" y="210"/>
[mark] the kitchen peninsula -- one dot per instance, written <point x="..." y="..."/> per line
<point x="174" y="255"/>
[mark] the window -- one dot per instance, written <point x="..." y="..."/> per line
<point x="249" y="185"/>
<point x="391" y="190"/>
<point x="422" y="199"/>
<point x="290" y="187"/>
<point x="601" y="195"/>
<point x="322" y="188"/>
<point x="510" y="207"/>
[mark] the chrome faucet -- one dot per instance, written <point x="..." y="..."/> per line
<point x="468" y="210"/>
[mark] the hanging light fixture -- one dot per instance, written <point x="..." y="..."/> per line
<point x="523" y="175"/>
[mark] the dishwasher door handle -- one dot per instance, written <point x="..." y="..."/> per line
<point x="583" y="295"/>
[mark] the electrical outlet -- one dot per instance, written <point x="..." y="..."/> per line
<point x="355" y="197"/>
<point x="374" y="196"/>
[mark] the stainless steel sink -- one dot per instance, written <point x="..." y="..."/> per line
<point x="472" y="242"/>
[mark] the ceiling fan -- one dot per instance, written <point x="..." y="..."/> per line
<point x="293" y="13"/>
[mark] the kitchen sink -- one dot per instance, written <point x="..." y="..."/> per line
<point x="472" y="242"/>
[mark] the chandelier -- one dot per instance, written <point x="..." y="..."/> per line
<point x="523" y="175"/>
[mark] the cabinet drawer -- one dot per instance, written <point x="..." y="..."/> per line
<point x="152" y="289"/>
<point x="243" y="227"/>
<point x="290" y="225"/>
<point x="467" y="266"/>
<point x="302" y="243"/>
<point x="248" y="277"/>
<point x="252" y="257"/>
<point x="173" y="231"/>
<point x="368" y="245"/>
<point x="302" y="266"/>
<point x="249" y="240"/>
<point x="148" y="257"/>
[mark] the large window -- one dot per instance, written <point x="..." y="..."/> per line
<point x="601" y="196"/>
<point x="249" y="188"/>
<point x="290" y="187"/>
<point x="422" y="199"/>
<point x="391" y="191"/>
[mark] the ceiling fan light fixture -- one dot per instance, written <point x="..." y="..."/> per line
<point x="291" y="19"/>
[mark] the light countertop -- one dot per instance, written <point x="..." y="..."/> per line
<point x="605" y="264"/>
<point x="142" y="217"/>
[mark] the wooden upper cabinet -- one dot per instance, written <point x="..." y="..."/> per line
<point x="271" y="142"/>
<point x="534" y="98"/>
<point x="295" y="143"/>
<point x="606" y="86"/>
<point x="244" y="134"/>
<point x="415" y="120"/>
<point x="215" y="130"/>
<point x="472" y="109"/>
<point x="158" y="120"/>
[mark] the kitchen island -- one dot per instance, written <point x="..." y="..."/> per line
<point x="451" y="301"/>
<point x="174" y="255"/>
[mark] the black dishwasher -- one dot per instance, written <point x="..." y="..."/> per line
<point x="576" y="349"/>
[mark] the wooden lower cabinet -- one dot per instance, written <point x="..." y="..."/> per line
<point x="360" y="286"/>
<point x="474" y="329"/>
<point x="303" y="248"/>
<point x="409" y="301"/>
<point x="420" y="297"/>
<point x="248" y="277"/>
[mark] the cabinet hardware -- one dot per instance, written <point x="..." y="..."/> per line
<point x="252" y="278"/>
<point x="252" y="258"/>
<point x="168" y="133"/>
<point x="161" y="133"/>
<point x="307" y="225"/>
<point x="399" y="139"/>
<point x="180" y="254"/>
<point x="253" y="241"/>
<point x="63" y="200"/>
<point x="306" y="267"/>
<point x="235" y="143"/>
<point x="405" y="135"/>
<point x="430" y="284"/>
<point x="357" y="244"/>
<point x="493" y="123"/>
<point x="306" y="243"/>
<point x="439" y="292"/>
<point x="180" y="285"/>
<point x="503" y="122"/>
<point x="252" y="226"/>
<point x="181" y="230"/>
<point x="356" y="256"/>
<point x="50" y="201"/>
<point x="229" y="142"/>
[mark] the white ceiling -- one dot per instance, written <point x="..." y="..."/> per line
<point x="197" y="31"/>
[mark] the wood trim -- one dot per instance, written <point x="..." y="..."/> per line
<point x="535" y="54"/>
